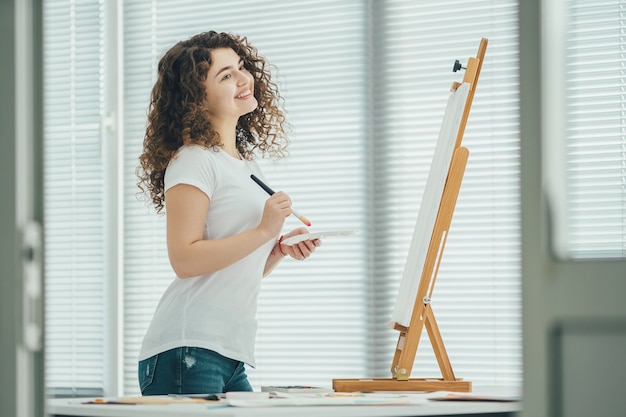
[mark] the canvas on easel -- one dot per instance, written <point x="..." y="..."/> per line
<point x="413" y="310"/>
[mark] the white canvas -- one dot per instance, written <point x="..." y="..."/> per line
<point x="429" y="207"/>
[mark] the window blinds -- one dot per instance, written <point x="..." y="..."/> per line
<point x="595" y="119"/>
<point x="73" y="193"/>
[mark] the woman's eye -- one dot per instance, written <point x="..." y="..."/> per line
<point x="225" y="77"/>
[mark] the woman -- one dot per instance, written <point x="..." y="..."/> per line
<point x="212" y="108"/>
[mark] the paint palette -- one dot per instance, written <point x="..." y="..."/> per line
<point x="292" y="240"/>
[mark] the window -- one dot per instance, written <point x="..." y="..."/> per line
<point x="75" y="227"/>
<point x="585" y="156"/>
<point x="365" y="85"/>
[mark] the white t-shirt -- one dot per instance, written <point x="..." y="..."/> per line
<point x="215" y="311"/>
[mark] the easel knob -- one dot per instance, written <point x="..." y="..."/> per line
<point x="457" y="66"/>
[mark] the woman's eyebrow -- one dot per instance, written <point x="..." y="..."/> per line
<point x="226" y="68"/>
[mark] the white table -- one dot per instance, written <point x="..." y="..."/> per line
<point x="74" y="407"/>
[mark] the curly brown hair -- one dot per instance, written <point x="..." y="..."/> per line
<point x="177" y="114"/>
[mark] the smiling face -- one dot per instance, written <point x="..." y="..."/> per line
<point x="229" y="87"/>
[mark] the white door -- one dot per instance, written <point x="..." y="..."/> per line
<point x="574" y="311"/>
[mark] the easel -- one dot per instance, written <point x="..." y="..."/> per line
<point x="422" y="314"/>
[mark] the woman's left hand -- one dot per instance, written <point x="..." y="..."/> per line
<point x="301" y="250"/>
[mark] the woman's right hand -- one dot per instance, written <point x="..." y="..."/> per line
<point x="277" y="209"/>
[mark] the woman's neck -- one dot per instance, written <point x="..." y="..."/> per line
<point x="228" y="137"/>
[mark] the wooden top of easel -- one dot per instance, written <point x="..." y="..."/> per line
<point x="472" y="72"/>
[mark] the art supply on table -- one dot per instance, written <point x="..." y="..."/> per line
<point x="295" y="389"/>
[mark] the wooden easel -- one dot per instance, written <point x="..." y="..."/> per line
<point x="422" y="314"/>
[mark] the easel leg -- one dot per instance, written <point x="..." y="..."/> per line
<point x="439" y="348"/>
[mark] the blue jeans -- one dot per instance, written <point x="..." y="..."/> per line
<point x="191" y="370"/>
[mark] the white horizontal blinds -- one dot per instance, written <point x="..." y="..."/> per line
<point x="73" y="199"/>
<point x="477" y="295"/>
<point x="146" y="267"/>
<point x="595" y="120"/>
<point x="311" y="314"/>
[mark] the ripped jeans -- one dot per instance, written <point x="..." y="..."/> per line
<point x="191" y="370"/>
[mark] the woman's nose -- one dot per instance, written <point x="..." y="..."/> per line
<point x="243" y="77"/>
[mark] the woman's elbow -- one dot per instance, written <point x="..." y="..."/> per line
<point x="181" y="269"/>
<point x="180" y="263"/>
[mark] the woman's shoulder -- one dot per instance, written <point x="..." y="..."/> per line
<point x="193" y="154"/>
<point x="196" y="150"/>
<point x="193" y="164"/>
